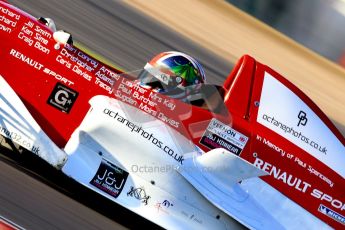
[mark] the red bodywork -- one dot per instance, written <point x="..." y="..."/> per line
<point x="33" y="67"/>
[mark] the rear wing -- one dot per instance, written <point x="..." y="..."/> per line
<point x="239" y="86"/>
<point x="291" y="139"/>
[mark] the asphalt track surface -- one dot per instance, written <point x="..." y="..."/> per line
<point x="35" y="196"/>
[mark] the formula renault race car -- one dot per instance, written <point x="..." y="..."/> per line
<point x="255" y="150"/>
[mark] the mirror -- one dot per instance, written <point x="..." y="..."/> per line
<point x="62" y="37"/>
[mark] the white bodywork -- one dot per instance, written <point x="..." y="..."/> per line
<point x="216" y="175"/>
<point x="17" y="124"/>
<point x="154" y="189"/>
<point x="102" y="135"/>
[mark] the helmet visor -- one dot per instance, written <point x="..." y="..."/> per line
<point x="156" y="79"/>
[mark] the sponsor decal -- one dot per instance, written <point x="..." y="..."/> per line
<point x="289" y="116"/>
<point x="149" y="136"/>
<point x="279" y="174"/>
<point x="315" y="172"/>
<point x="163" y="206"/>
<point x="26" y="59"/>
<point x="192" y="217"/>
<point x="106" y="75"/>
<point x="289" y="130"/>
<point x="332" y="214"/>
<point x="295" y="159"/>
<point x="35" y="36"/>
<point x="302" y="116"/>
<point x="110" y="178"/>
<point x="20" y="139"/>
<point x="57" y="76"/>
<point x="299" y="184"/>
<point x="62" y="97"/>
<point x="80" y="60"/>
<point x="219" y="135"/>
<point x="281" y="151"/>
<point x="139" y="194"/>
<point x="167" y="203"/>
<point x="6" y="12"/>
<point x="5" y="28"/>
<point x="8" y="20"/>
<point x="39" y="66"/>
<point x="150" y="102"/>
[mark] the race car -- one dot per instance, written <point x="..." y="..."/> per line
<point x="255" y="150"/>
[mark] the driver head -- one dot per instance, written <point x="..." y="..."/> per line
<point x="172" y="73"/>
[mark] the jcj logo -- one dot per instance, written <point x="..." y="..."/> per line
<point x="110" y="178"/>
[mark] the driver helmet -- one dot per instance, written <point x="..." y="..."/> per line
<point x="48" y="22"/>
<point x="173" y="73"/>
